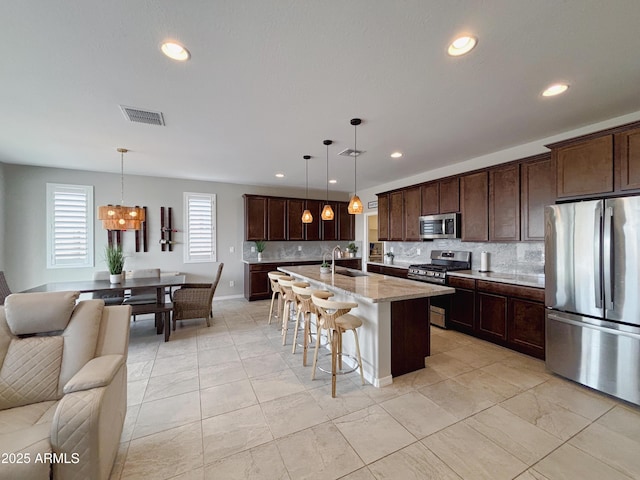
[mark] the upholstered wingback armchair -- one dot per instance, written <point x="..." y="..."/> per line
<point x="63" y="385"/>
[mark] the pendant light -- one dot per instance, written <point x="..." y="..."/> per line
<point x="355" y="204"/>
<point x="121" y="217"/>
<point x="327" y="211"/>
<point x="306" y="215"/>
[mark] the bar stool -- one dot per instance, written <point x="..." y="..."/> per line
<point x="305" y="308"/>
<point x="275" y="288"/>
<point x="288" y="300"/>
<point x="335" y="318"/>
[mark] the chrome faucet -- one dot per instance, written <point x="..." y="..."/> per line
<point x="333" y="258"/>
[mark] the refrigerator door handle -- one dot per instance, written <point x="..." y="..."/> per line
<point x="607" y="255"/>
<point x="596" y="258"/>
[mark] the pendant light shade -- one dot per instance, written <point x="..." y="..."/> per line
<point x="306" y="215"/>
<point x="121" y="217"/>
<point x="327" y="211"/>
<point x="355" y="204"/>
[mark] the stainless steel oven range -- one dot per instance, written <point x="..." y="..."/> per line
<point x="442" y="261"/>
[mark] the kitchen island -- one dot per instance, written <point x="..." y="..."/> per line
<point x="394" y="337"/>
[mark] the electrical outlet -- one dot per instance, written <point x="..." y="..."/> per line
<point x="253" y="249"/>
<point x="418" y="252"/>
<point x="232" y="249"/>
<point x="232" y="283"/>
<point x="299" y="248"/>
<point x="391" y="249"/>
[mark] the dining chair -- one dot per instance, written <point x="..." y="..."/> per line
<point x="143" y="296"/>
<point x="194" y="300"/>
<point x="111" y="296"/>
<point x="146" y="295"/>
<point x="5" y="291"/>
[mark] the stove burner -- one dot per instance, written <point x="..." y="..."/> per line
<point x="443" y="262"/>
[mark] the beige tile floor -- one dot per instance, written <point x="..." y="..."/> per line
<point x="230" y="402"/>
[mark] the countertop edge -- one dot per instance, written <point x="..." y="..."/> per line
<point x="450" y="290"/>
<point x="524" y="280"/>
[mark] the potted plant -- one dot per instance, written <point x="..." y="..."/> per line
<point x="388" y="258"/>
<point x="325" y="267"/>
<point x="353" y="249"/>
<point x="115" y="263"/>
<point x="260" y="246"/>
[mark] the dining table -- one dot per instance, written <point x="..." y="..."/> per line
<point x="161" y="309"/>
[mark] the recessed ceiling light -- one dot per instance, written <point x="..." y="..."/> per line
<point x="333" y="180"/>
<point x="462" y="45"/>
<point x="280" y="175"/>
<point x="175" y="51"/>
<point x="396" y="155"/>
<point x="555" y="89"/>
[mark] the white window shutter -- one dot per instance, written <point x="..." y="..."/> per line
<point x="70" y="226"/>
<point x="200" y="227"/>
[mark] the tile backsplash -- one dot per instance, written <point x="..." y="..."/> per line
<point x="515" y="257"/>
<point x="275" y="251"/>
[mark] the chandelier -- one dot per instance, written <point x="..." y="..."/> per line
<point x="121" y="217"/>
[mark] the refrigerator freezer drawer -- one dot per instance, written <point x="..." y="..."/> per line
<point x="595" y="353"/>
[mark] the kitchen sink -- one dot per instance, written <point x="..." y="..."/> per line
<point x="351" y="273"/>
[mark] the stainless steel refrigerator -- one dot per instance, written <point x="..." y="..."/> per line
<point x="592" y="272"/>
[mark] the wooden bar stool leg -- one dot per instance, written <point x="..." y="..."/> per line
<point x="335" y="340"/>
<point x="273" y="299"/>
<point x="307" y="334"/>
<point x="295" y="331"/>
<point x="355" y="335"/>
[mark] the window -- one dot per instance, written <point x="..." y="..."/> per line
<point x="69" y="226"/>
<point x="200" y="227"/>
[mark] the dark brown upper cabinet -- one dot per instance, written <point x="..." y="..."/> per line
<point x="430" y="193"/>
<point x="396" y="218"/>
<point x="346" y="222"/>
<point x="255" y="218"/>
<point x="276" y="218"/>
<point x="442" y="196"/>
<point x="450" y="195"/>
<point x="383" y="217"/>
<point x="504" y="203"/>
<point x="330" y="227"/>
<point x="584" y="168"/>
<point x="537" y="189"/>
<point x="474" y="204"/>
<point x="627" y="147"/>
<point x="295" y="227"/>
<point x="313" y="230"/>
<point x="411" y="210"/>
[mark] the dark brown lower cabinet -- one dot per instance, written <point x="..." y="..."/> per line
<point x="410" y="335"/>
<point x="463" y="305"/>
<point x="505" y="314"/>
<point x="526" y="326"/>
<point x="492" y="316"/>
<point x="390" y="271"/>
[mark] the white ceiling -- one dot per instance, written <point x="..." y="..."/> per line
<point x="270" y="79"/>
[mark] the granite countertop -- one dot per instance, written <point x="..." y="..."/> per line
<point x="522" y="279"/>
<point x="295" y="259"/>
<point x="370" y="287"/>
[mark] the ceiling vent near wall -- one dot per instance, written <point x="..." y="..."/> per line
<point x="142" y="116"/>
<point x="350" y="152"/>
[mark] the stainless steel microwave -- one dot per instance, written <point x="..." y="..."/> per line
<point x="440" y="226"/>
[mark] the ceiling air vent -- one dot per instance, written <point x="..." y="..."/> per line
<point x="350" y="152"/>
<point x="142" y="116"/>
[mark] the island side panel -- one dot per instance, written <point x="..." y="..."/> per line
<point x="410" y="335"/>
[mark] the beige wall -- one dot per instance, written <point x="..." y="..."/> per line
<point x="2" y="208"/>
<point x="24" y="239"/>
